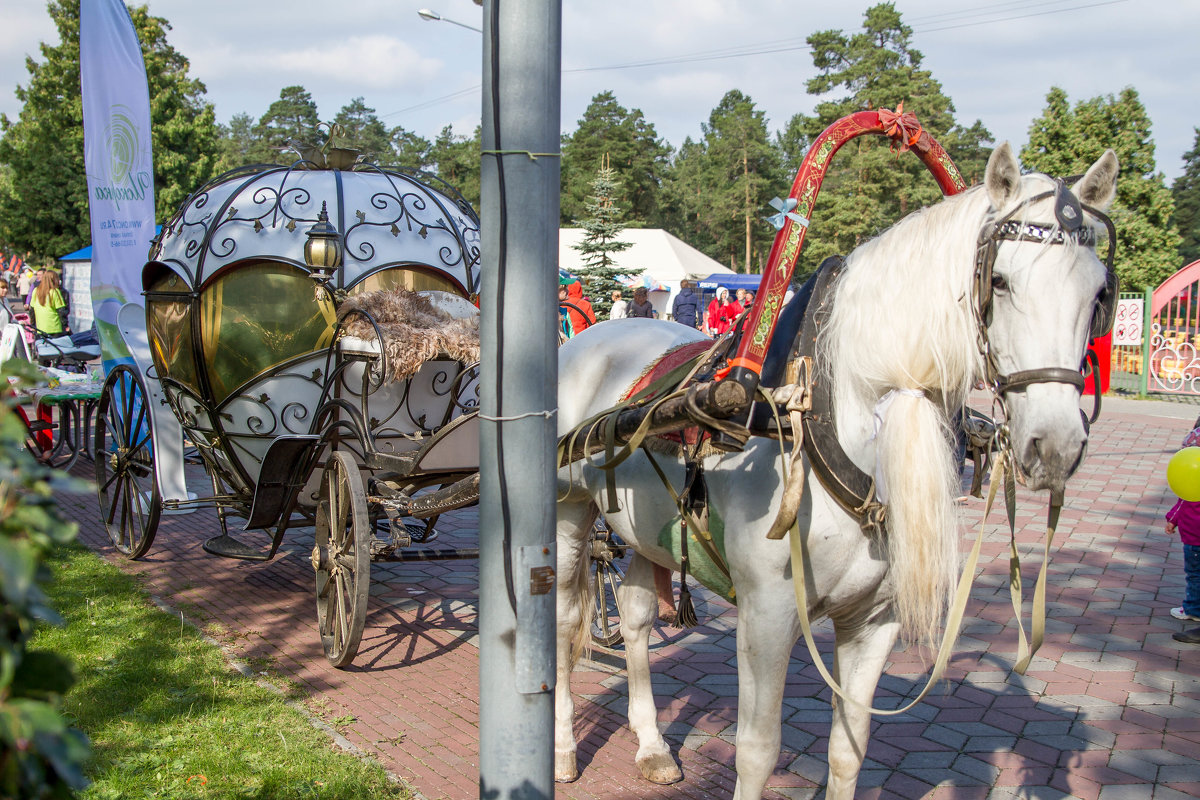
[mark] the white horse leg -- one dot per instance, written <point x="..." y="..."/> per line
<point x="860" y="654"/>
<point x="766" y="632"/>
<point x="574" y="542"/>
<point x="639" y="608"/>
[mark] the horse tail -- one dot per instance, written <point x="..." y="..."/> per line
<point x="578" y="583"/>
<point x="920" y="478"/>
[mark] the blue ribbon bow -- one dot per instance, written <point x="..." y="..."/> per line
<point x="784" y="207"/>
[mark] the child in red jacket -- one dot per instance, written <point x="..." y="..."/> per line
<point x="1184" y="517"/>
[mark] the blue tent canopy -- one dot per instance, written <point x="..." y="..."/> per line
<point x="731" y="282"/>
<point x="84" y="254"/>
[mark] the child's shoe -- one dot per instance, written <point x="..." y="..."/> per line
<point x="1179" y="613"/>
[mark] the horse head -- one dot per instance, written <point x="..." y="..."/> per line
<point x="1042" y="293"/>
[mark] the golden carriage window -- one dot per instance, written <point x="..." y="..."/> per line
<point x="169" y="323"/>
<point x="406" y="277"/>
<point x="256" y="316"/>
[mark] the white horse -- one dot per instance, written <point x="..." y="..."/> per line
<point x="903" y="318"/>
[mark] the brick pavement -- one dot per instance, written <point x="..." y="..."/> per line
<point x="1110" y="709"/>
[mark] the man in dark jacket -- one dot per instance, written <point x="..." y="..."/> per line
<point x="686" y="308"/>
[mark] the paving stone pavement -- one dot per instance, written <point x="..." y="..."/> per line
<point x="1109" y="709"/>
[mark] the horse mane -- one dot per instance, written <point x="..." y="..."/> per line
<point x="902" y="319"/>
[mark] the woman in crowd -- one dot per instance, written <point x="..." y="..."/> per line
<point x="44" y="305"/>
<point x="641" y="307"/>
<point x="722" y="311"/>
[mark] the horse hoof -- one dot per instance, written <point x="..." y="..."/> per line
<point x="660" y="768"/>
<point x="565" y="770"/>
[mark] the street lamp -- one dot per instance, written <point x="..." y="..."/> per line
<point x="433" y="16"/>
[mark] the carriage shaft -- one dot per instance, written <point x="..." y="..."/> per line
<point x="720" y="399"/>
<point x="430" y="554"/>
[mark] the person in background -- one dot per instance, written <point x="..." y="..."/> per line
<point x="620" y="306"/>
<point x="740" y="297"/>
<point x="6" y="312"/>
<point x="722" y="311"/>
<point x="24" y="283"/>
<point x="579" y="308"/>
<point x="1184" y="519"/>
<point x="713" y="312"/>
<point x="748" y="300"/>
<point x="686" y="308"/>
<point x="45" y="301"/>
<point x="564" y="319"/>
<point x="37" y="279"/>
<point x="641" y="307"/>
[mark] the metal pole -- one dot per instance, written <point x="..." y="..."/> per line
<point x="519" y="213"/>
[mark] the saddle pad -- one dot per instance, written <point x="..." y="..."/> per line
<point x="668" y="362"/>
<point x="682" y="356"/>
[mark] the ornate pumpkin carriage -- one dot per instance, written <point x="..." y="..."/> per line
<point x="266" y="348"/>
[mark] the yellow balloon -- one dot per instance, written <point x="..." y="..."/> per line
<point x="1183" y="474"/>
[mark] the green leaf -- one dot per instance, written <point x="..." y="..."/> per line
<point x="43" y="676"/>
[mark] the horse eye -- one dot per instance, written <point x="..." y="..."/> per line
<point x="999" y="284"/>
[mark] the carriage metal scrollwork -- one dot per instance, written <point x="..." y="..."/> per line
<point x="246" y="352"/>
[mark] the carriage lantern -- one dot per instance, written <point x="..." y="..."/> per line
<point x="323" y="250"/>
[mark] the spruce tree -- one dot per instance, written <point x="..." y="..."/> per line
<point x="1186" y="192"/>
<point x="602" y="229"/>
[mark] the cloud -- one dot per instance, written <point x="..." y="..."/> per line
<point x="370" y="62"/>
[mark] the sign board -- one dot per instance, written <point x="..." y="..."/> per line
<point x="1128" y="328"/>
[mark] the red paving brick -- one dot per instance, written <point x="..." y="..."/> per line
<point x="1108" y="659"/>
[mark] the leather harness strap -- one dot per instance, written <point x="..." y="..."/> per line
<point x="853" y="489"/>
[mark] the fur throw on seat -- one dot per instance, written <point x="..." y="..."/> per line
<point x="414" y="330"/>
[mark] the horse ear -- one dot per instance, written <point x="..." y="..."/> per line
<point x="1099" y="185"/>
<point x="1003" y="177"/>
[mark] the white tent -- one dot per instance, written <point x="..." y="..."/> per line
<point x="662" y="257"/>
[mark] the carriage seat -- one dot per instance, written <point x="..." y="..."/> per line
<point x="411" y="328"/>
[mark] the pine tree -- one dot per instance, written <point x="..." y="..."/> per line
<point x="291" y="118"/>
<point x="720" y="186"/>
<point x="1066" y="141"/>
<point x="868" y="187"/>
<point x="364" y="131"/>
<point x="602" y="229"/>
<point x="1186" y="193"/>
<point x="634" y="150"/>
<point x="456" y="160"/>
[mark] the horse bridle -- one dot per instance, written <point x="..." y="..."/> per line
<point x="1068" y="213"/>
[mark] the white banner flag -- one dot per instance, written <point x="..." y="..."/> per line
<point x="120" y="181"/>
<point x="118" y="161"/>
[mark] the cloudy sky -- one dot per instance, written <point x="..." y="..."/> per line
<point x="673" y="59"/>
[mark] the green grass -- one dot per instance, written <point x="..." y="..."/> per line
<point x="167" y="716"/>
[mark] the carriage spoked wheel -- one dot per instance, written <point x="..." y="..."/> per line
<point x="341" y="558"/>
<point x="606" y="576"/>
<point x="127" y="485"/>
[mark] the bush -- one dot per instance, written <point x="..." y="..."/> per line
<point x="41" y="756"/>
